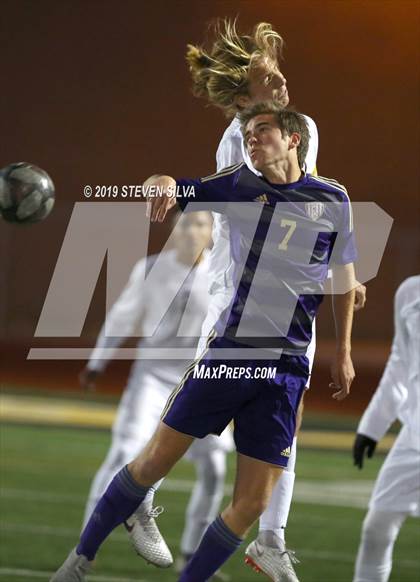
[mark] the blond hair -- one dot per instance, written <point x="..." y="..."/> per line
<point x="221" y="73"/>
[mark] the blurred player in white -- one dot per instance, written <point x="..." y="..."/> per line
<point x="152" y="381"/>
<point x="236" y="72"/>
<point x="396" y="494"/>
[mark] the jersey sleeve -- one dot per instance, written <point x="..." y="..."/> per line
<point x="121" y="319"/>
<point x="312" y="154"/>
<point x="212" y="192"/>
<point x="344" y="250"/>
<point x="392" y="390"/>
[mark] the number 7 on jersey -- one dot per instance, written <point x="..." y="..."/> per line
<point x="291" y="225"/>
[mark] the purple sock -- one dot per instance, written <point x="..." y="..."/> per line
<point x="217" y="545"/>
<point x="119" y="501"/>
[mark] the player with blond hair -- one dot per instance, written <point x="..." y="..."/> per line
<point x="235" y="72"/>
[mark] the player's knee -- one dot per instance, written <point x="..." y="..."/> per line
<point x="250" y="509"/>
<point x="378" y="531"/>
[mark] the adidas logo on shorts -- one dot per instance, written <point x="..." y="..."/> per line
<point x="286" y="452"/>
<point x="263" y="198"/>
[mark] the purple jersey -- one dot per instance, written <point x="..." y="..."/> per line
<point x="283" y="237"/>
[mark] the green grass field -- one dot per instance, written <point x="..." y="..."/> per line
<point x="45" y="475"/>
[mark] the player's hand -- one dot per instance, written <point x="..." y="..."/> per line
<point x="362" y="443"/>
<point x="359" y="297"/>
<point x="342" y="374"/>
<point x="88" y="378"/>
<point x="160" y="195"/>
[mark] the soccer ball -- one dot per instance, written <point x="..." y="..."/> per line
<point x="26" y="193"/>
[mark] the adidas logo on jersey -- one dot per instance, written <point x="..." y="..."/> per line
<point x="286" y="452"/>
<point x="263" y="198"/>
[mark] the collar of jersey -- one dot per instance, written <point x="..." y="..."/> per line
<point x="303" y="179"/>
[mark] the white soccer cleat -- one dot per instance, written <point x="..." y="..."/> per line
<point x="74" y="569"/>
<point x="276" y="563"/>
<point x="147" y="539"/>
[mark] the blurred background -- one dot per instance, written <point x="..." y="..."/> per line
<point x="98" y="92"/>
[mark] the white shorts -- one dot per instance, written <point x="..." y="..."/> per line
<point x="141" y="405"/>
<point x="139" y="412"/>
<point x="397" y="487"/>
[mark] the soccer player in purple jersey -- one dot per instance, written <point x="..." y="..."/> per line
<point x="284" y="247"/>
<point x="234" y="71"/>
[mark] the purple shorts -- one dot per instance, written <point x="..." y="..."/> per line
<point x="260" y="396"/>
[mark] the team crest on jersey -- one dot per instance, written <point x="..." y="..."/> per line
<point x="262" y="198"/>
<point x="314" y="209"/>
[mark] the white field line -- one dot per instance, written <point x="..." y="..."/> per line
<point x="25" y="573"/>
<point x="336" y="493"/>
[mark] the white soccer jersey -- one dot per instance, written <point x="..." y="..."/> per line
<point x="398" y="393"/>
<point x="231" y="151"/>
<point x="144" y="300"/>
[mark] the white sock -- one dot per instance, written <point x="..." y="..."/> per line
<point x="374" y="558"/>
<point x="205" y="499"/>
<point x="147" y="503"/>
<point x="274" y="518"/>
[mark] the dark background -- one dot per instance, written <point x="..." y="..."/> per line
<point x="99" y="93"/>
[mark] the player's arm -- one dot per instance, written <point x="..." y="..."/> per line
<point x="212" y="192"/>
<point x="342" y="370"/>
<point x="343" y="283"/>
<point x="121" y="320"/>
<point x="311" y="165"/>
<point x="382" y="410"/>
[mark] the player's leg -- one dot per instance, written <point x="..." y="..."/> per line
<point x="209" y="457"/>
<point x="133" y="426"/>
<point x="124" y="494"/>
<point x="268" y="551"/>
<point x="265" y="424"/>
<point x="185" y="414"/>
<point x="395" y="496"/>
<point x="142" y="418"/>
<point x="253" y="486"/>
<point x="205" y="499"/>
<point x="137" y="418"/>
<point x="121" y="452"/>
<point x="379" y="533"/>
<point x="274" y="519"/>
<point x="272" y="524"/>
